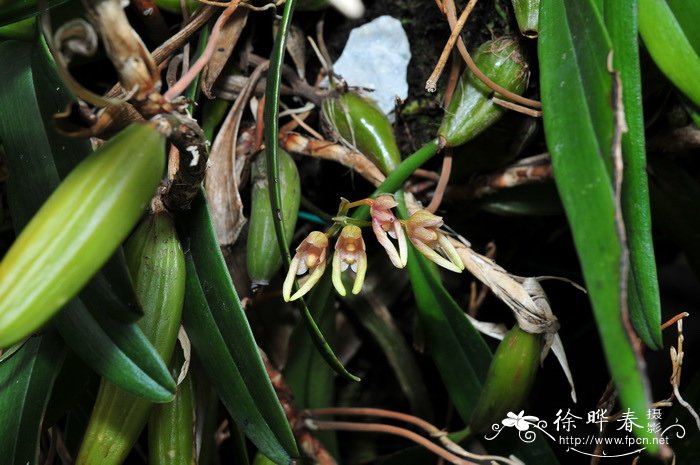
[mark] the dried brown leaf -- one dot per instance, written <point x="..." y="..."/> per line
<point x="296" y="47"/>
<point x="227" y="41"/>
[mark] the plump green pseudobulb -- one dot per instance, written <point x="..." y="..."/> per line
<point x="510" y="378"/>
<point x="157" y="266"/>
<point x="359" y="123"/>
<point x="77" y="229"/>
<point x="471" y="109"/>
<point x="263" y="255"/>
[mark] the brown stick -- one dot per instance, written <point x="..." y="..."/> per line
<point x="442" y="182"/>
<point x="452" y="19"/>
<point x="293" y="142"/>
<point x="431" y="83"/>
<point x="208" y="52"/>
<point x="388" y="429"/>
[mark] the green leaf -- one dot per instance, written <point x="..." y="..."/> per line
<point x="116" y="350"/>
<point x="687" y="14"/>
<point x="460" y="353"/>
<point x="111" y="289"/>
<point x="669" y="45"/>
<point x="26" y="381"/>
<point x="215" y="357"/>
<point x="644" y="302"/>
<point x="196" y="230"/>
<point x="38" y="157"/>
<point x="578" y="122"/>
<point x="271" y="114"/>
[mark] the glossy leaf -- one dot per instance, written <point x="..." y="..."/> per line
<point x="644" y="303"/>
<point x="118" y="351"/>
<point x="460" y="353"/>
<point x="215" y="357"/>
<point x="36" y="150"/>
<point x="157" y="265"/>
<point x="198" y="232"/>
<point x="111" y="289"/>
<point x="669" y="45"/>
<point x="578" y="122"/>
<point x="26" y="380"/>
<point x="687" y="14"/>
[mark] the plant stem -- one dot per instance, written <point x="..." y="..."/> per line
<point x="402" y="172"/>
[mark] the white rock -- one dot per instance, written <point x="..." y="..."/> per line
<point x="376" y="56"/>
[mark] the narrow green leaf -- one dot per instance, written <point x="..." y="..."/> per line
<point x="460" y="353"/>
<point x="272" y="93"/>
<point x="196" y="230"/>
<point x="644" y="302"/>
<point x="669" y="45"/>
<point x="578" y="122"/>
<point x="215" y="357"/>
<point x="118" y="351"/>
<point x="687" y="14"/>
<point x="26" y="381"/>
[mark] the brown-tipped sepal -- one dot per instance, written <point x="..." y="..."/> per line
<point x="386" y="225"/>
<point x="423" y="230"/>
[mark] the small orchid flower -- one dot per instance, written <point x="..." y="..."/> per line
<point x="520" y="421"/>
<point x="385" y="224"/>
<point x="349" y="253"/>
<point x="310" y="256"/>
<point x="423" y="230"/>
